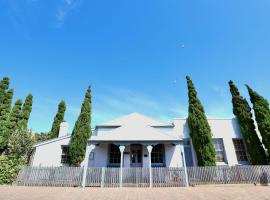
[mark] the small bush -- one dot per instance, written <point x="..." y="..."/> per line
<point x="9" y="169"/>
<point x="20" y="144"/>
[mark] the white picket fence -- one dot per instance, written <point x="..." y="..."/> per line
<point x="140" y="177"/>
<point x="50" y="176"/>
<point x="229" y="175"/>
<point x="100" y="177"/>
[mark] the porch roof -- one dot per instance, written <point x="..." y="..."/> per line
<point x="133" y="132"/>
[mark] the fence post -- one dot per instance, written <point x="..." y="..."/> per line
<point x="102" y="177"/>
<point x="150" y="148"/>
<point x="89" y="149"/>
<point x="122" y="149"/>
<point x="185" y="166"/>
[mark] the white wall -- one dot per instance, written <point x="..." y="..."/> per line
<point x="126" y="157"/>
<point x="100" y="156"/>
<point x="227" y="129"/>
<point x="173" y="155"/>
<point x="49" y="155"/>
<point x="145" y="159"/>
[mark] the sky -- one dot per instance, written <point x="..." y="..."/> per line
<point x="134" y="54"/>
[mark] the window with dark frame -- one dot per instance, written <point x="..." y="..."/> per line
<point x="219" y="148"/>
<point x="64" y="156"/>
<point x="157" y="155"/>
<point x="115" y="155"/>
<point x="240" y="150"/>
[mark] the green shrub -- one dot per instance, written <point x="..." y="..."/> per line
<point x="20" y="143"/>
<point x="9" y="169"/>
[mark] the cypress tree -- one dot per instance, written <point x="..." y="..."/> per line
<point x="200" y="131"/>
<point x="12" y="123"/>
<point x="5" y="99"/>
<point x="242" y="111"/>
<point x="15" y="115"/>
<point x="262" y="114"/>
<point x="58" y="119"/>
<point x="81" y="132"/>
<point x="4" y="85"/>
<point x="26" y="111"/>
<point x="5" y="108"/>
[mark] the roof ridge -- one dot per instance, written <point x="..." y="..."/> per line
<point x="115" y="121"/>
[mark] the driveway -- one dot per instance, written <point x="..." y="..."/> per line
<point x="235" y="192"/>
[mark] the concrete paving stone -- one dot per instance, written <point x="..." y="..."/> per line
<point x="231" y="192"/>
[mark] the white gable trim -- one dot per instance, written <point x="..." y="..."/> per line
<point x="136" y="117"/>
<point x="51" y="141"/>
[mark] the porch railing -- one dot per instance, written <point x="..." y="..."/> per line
<point x="140" y="177"/>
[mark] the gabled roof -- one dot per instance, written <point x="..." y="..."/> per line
<point x="51" y="141"/>
<point x="135" y="127"/>
<point x="135" y="118"/>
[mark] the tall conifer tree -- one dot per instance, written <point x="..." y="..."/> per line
<point x="242" y="111"/>
<point x="4" y="85"/>
<point x="81" y="132"/>
<point x="200" y="131"/>
<point x="6" y="95"/>
<point x="58" y="119"/>
<point x="26" y="111"/>
<point x="5" y="108"/>
<point x="15" y="116"/>
<point x="262" y="114"/>
<point x="12" y="123"/>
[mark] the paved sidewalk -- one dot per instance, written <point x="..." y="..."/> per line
<point x="236" y="192"/>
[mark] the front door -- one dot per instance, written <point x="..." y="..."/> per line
<point x="136" y="155"/>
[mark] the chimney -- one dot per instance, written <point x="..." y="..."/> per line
<point x="63" y="131"/>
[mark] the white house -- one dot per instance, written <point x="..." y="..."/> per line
<point x="139" y="141"/>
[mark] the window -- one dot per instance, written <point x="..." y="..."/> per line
<point x="92" y="156"/>
<point x="219" y="147"/>
<point x="240" y="150"/>
<point x="157" y="155"/>
<point x="115" y="155"/>
<point x="188" y="152"/>
<point x="64" y="156"/>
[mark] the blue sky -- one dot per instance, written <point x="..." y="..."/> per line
<point x="131" y="53"/>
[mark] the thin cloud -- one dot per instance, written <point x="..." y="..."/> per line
<point x="119" y="102"/>
<point x="66" y="7"/>
<point x="24" y="15"/>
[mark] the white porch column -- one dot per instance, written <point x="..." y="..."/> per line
<point x="89" y="149"/>
<point x="184" y="164"/>
<point x="150" y="148"/>
<point x="122" y="149"/>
